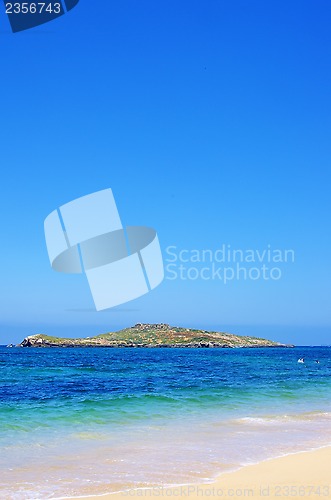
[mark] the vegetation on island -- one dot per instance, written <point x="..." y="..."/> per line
<point x="152" y="335"/>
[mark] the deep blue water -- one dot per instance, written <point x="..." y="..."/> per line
<point x="125" y="404"/>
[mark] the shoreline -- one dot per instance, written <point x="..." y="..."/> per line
<point x="97" y="426"/>
<point x="304" y="474"/>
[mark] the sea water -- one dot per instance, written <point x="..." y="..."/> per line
<point x="78" y="421"/>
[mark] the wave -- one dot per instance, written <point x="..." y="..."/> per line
<point x="279" y="419"/>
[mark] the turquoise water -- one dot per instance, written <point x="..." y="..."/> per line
<point x="80" y="421"/>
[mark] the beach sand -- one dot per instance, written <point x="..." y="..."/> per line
<point x="302" y="475"/>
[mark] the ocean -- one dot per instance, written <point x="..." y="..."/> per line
<point x="82" y="421"/>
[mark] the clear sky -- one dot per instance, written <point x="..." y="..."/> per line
<point x="210" y="120"/>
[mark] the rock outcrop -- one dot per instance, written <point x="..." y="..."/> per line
<point x="153" y="335"/>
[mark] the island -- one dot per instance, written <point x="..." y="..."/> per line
<point x="153" y="335"/>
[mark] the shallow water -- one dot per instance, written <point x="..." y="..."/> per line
<point x="79" y="421"/>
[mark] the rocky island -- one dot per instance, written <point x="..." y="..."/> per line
<point x="152" y="335"/>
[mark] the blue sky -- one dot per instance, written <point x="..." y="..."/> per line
<point x="211" y="123"/>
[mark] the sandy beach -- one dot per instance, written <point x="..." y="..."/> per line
<point x="110" y="420"/>
<point x="300" y="475"/>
